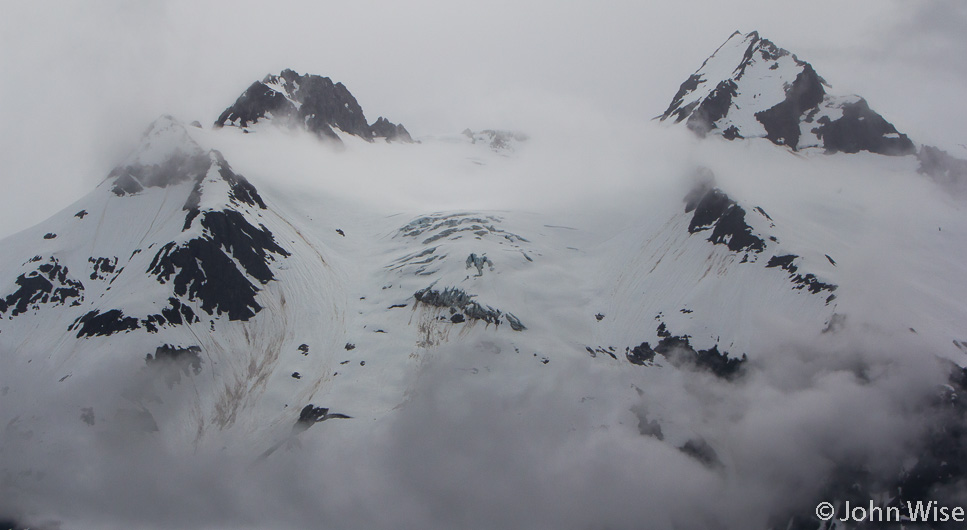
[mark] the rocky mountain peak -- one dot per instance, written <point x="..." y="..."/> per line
<point x="308" y="101"/>
<point x="751" y="88"/>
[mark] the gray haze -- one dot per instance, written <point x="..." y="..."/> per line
<point x="500" y="448"/>
<point x="80" y="81"/>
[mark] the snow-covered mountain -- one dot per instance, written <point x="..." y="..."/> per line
<point x="311" y="102"/>
<point x="751" y="88"/>
<point x="201" y="302"/>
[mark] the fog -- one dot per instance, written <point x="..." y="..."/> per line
<point x="502" y="448"/>
<point x="84" y="80"/>
<point x="498" y="447"/>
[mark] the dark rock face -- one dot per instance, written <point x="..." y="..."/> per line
<point x="766" y="49"/>
<point x="808" y="282"/>
<point x="642" y="355"/>
<point x="104" y="324"/>
<point x="715" y="210"/>
<point x="134" y="178"/>
<point x="722" y="93"/>
<point x="308" y="101"/>
<point x="782" y="121"/>
<point x="732" y="133"/>
<point x="310" y="415"/>
<point x="203" y="268"/>
<point x="784" y="262"/>
<point x="700" y="450"/>
<point x="675" y="108"/>
<point x="103" y="267"/>
<point x="326" y="104"/>
<point x="942" y="167"/>
<point x="593" y="352"/>
<point x="175" y="314"/>
<point x="49" y="283"/>
<point x="861" y="129"/>
<point x="680" y="353"/>
<point x="257" y="101"/>
<point x="384" y="128"/>
<point x="709" y="208"/>
<point x="174" y="361"/>
<point x="463" y="308"/>
<point x="241" y="191"/>
<point x="712" y="109"/>
<point x="94" y="323"/>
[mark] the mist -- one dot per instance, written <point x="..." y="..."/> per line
<point x="481" y="440"/>
<point x="88" y="79"/>
<point x="496" y="447"/>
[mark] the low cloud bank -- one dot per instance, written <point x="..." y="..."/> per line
<point x="507" y="447"/>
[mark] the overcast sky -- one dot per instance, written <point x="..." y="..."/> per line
<point x="80" y="81"/>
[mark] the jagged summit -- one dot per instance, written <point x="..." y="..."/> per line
<point x="751" y="88"/>
<point x="308" y="101"/>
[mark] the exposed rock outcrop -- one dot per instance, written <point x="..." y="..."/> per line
<point x="308" y="101"/>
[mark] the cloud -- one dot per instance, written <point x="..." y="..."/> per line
<point x="88" y="80"/>
<point x="505" y="446"/>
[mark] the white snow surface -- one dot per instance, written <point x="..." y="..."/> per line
<point x="568" y="236"/>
